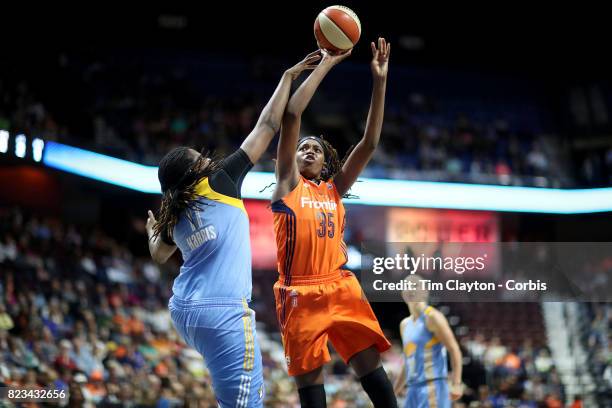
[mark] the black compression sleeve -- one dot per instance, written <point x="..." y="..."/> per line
<point x="228" y="180"/>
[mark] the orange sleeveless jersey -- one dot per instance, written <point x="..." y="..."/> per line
<point x="309" y="227"/>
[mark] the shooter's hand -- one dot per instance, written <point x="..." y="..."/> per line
<point x="380" y="58"/>
<point x="333" y="58"/>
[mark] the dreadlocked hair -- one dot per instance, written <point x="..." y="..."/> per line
<point x="332" y="164"/>
<point x="179" y="175"/>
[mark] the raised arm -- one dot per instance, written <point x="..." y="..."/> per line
<point x="269" y="120"/>
<point x="364" y="150"/>
<point x="287" y="175"/>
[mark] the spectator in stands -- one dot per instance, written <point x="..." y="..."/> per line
<point x="82" y="350"/>
<point x="543" y="362"/>
<point x="138" y="118"/>
<point x="577" y="402"/>
<point x="495" y="353"/>
<point x="6" y="322"/>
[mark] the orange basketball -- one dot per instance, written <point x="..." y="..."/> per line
<point x="337" y="28"/>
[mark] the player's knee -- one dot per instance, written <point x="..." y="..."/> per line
<point x="365" y="361"/>
<point x="313" y="377"/>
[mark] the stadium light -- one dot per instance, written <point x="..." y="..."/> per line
<point x="101" y="167"/>
<point x="4" y="139"/>
<point x="37" y="149"/>
<point x="20" y="146"/>
<point x="369" y="191"/>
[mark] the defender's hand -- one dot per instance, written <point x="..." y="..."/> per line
<point x="307" y="63"/>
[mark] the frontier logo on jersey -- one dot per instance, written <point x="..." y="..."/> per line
<point x="319" y="205"/>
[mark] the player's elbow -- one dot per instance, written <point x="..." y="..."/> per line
<point x="159" y="258"/>
<point x="368" y="144"/>
<point x="269" y="124"/>
<point x="455" y="350"/>
<point x="274" y="125"/>
<point x="292" y="113"/>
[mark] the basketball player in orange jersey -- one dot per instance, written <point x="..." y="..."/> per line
<point x="316" y="300"/>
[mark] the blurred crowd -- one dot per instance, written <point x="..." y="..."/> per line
<point x="139" y="111"/>
<point x="520" y="377"/>
<point x="599" y="343"/>
<point x="79" y="312"/>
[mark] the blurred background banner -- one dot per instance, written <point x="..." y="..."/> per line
<point x="424" y="225"/>
<point x="263" y="242"/>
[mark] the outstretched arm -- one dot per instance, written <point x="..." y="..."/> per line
<point x="269" y="121"/>
<point x="287" y="175"/>
<point x="364" y="150"/>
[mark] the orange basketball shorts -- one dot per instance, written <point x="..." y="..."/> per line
<point x="313" y="310"/>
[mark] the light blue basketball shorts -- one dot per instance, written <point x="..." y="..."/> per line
<point x="430" y="394"/>
<point x="223" y="332"/>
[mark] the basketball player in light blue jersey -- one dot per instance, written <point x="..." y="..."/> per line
<point x="426" y="337"/>
<point x="202" y="215"/>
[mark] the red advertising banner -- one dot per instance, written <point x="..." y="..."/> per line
<point x="429" y="225"/>
<point x="403" y="225"/>
<point x="425" y="233"/>
<point x="263" y="243"/>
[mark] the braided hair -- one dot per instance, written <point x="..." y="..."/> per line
<point x="179" y="175"/>
<point x="332" y="163"/>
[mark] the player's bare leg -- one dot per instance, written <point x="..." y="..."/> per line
<point x="311" y="389"/>
<point x="376" y="384"/>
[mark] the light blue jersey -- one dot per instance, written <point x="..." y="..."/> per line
<point x="426" y="365"/>
<point x="209" y="306"/>
<point x="216" y="249"/>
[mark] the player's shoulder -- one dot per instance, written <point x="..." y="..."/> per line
<point x="432" y="312"/>
<point x="433" y="316"/>
<point x="292" y="195"/>
<point x="331" y="185"/>
<point x="403" y="323"/>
